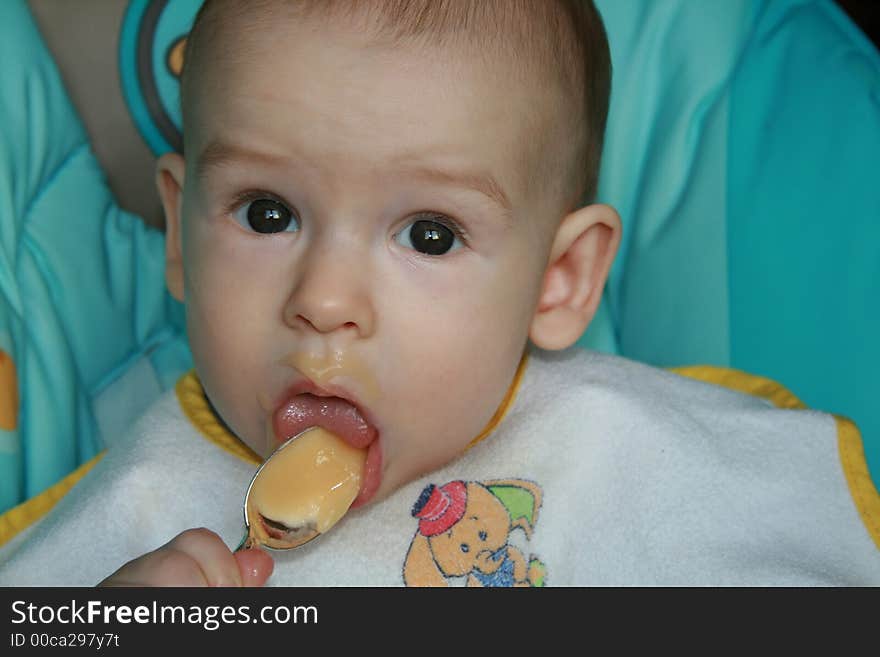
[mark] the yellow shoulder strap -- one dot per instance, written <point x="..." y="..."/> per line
<point x="20" y="517"/>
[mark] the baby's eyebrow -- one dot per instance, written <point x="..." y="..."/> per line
<point x="484" y="183"/>
<point x="218" y="154"/>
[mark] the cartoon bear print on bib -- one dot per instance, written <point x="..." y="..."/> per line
<point x="467" y="534"/>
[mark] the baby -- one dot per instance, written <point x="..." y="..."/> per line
<point x="378" y="226"/>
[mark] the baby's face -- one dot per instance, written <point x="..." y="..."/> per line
<point x="356" y="235"/>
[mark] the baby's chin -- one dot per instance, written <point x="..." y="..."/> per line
<point x="394" y="479"/>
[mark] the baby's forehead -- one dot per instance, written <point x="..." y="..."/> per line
<point x="234" y="44"/>
<point x="532" y="34"/>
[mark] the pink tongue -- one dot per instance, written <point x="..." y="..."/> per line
<point x="334" y="414"/>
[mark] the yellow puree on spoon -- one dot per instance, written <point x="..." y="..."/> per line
<point x="302" y="489"/>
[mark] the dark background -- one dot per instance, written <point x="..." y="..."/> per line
<point x="866" y="13"/>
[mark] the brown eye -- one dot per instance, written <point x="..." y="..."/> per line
<point x="430" y="237"/>
<point x="266" y="215"/>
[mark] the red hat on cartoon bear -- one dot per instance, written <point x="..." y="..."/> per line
<point x="440" y="508"/>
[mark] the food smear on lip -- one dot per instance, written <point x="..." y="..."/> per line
<point x="304" y="489"/>
<point x="336" y="367"/>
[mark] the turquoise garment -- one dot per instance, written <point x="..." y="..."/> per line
<point x="742" y="154"/>
<point x="82" y="296"/>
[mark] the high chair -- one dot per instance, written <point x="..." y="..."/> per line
<point x="741" y="152"/>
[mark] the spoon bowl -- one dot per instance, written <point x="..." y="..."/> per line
<point x="301" y="490"/>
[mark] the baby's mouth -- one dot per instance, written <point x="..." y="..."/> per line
<point x="336" y="414"/>
<point x="339" y="415"/>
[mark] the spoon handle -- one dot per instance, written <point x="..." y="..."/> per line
<point x="247" y="543"/>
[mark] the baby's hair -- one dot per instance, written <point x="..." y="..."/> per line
<point x="565" y="38"/>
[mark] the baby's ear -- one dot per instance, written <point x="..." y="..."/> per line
<point x="580" y="259"/>
<point x="170" y="171"/>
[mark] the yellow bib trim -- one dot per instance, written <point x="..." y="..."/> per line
<point x="855" y="467"/>
<point x="740" y="381"/>
<point x="849" y="440"/>
<point x="506" y="403"/>
<point x="195" y="405"/>
<point x="20" y="517"/>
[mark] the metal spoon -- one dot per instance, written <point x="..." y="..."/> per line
<point x="270" y="479"/>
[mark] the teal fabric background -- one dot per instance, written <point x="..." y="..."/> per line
<point x="82" y="293"/>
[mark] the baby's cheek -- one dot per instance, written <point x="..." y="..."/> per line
<point x="225" y="371"/>
<point x="448" y="409"/>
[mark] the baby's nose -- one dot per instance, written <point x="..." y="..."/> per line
<point x="332" y="292"/>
